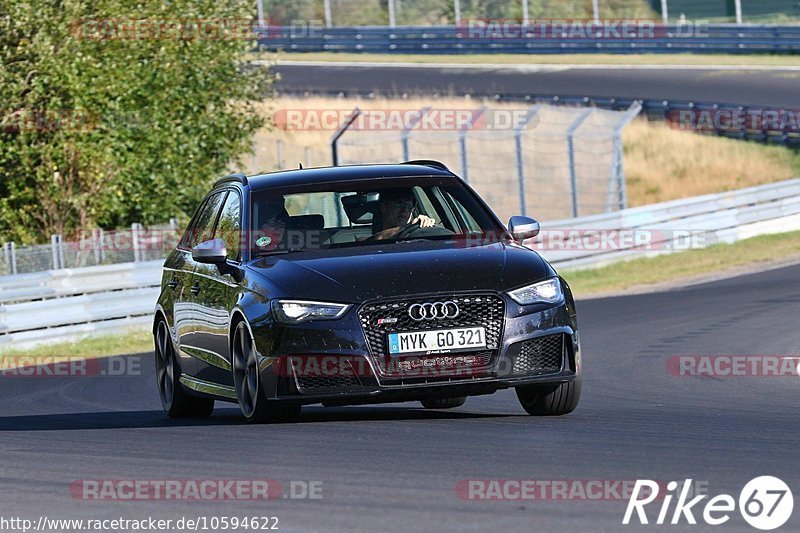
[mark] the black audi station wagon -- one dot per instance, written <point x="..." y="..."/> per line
<point x="355" y="285"/>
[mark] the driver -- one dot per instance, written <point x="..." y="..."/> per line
<point x="397" y="213"/>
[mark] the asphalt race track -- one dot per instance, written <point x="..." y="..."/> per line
<point x="396" y="466"/>
<point x="771" y="88"/>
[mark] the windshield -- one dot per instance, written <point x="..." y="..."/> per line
<point x="367" y="213"/>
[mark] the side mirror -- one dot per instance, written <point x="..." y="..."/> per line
<point x="522" y="228"/>
<point x="211" y="252"/>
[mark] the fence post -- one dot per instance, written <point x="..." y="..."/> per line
<point x="328" y="17"/>
<point x="618" y="171"/>
<point x="407" y="131"/>
<point x="738" y="4"/>
<point x="61" y="262"/>
<point x="622" y="187"/>
<point x="7" y="255"/>
<point x="98" y="238"/>
<point x="260" y="13"/>
<point x="135" y="242"/>
<point x="391" y="14"/>
<point x="174" y="235"/>
<point x="13" y="253"/>
<point x="520" y="164"/>
<point x="335" y="138"/>
<point x="665" y="12"/>
<point x="573" y="173"/>
<point x="54" y="249"/>
<point x="462" y="142"/>
<point x="613" y="179"/>
<point x="279" y="153"/>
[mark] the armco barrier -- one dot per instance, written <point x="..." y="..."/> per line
<point x="700" y="38"/>
<point x="714" y="218"/>
<point x="65" y="304"/>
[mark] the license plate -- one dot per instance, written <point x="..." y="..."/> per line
<point x="437" y="341"/>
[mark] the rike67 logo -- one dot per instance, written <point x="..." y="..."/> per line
<point x="765" y="503"/>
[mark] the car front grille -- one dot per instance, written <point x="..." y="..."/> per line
<point x="378" y="319"/>
<point x="543" y="355"/>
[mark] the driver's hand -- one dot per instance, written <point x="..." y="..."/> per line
<point x="424" y="221"/>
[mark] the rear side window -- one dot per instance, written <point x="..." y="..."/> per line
<point x="229" y="226"/>
<point x="202" y="227"/>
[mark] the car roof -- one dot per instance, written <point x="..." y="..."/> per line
<point x="307" y="176"/>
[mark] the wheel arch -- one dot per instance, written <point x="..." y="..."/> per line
<point x="159" y="314"/>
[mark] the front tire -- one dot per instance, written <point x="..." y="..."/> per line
<point x="443" y="403"/>
<point x="176" y="403"/>
<point x="550" y="400"/>
<point x="249" y="390"/>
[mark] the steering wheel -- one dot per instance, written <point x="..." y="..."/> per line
<point x="407" y="231"/>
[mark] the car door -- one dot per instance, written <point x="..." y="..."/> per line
<point x="216" y="297"/>
<point x="179" y="269"/>
<point x="202" y="229"/>
<point x="178" y="275"/>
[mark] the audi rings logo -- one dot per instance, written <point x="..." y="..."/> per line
<point x="435" y="310"/>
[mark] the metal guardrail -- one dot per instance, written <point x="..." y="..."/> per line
<point x="61" y="305"/>
<point x="51" y="284"/>
<point x="670" y="226"/>
<point x="717" y="38"/>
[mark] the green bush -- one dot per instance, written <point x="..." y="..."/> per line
<point x="97" y="130"/>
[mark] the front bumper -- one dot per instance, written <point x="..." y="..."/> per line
<point x="315" y="363"/>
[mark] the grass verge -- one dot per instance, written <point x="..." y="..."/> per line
<point x="127" y="341"/>
<point x="674" y="268"/>
<point x="755" y="60"/>
<point x="662" y="163"/>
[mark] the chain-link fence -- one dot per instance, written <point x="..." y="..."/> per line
<point x="98" y="247"/>
<point x="305" y="15"/>
<point x="542" y="161"/>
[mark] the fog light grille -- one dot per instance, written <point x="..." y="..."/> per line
<point x="543" y="355"/>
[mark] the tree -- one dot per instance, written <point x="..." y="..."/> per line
<point x="116" y="111"/>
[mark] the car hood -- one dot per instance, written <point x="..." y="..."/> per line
<point x="353" y="275"/>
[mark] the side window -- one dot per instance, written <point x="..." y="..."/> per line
<point x="229" y="227"/>
<point x="464" y="215"/>
<point x="427" y="206"/>
<point x="203" y="227"/>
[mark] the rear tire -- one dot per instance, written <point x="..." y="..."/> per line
<point x="443" y="403"/>
<point x="550" y="400"/>
<point x="253" y="402"/>
<point x="176" y="402"/>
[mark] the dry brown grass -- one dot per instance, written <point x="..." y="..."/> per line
<point x="660" y="163"/>
<point x="665" y="164"/>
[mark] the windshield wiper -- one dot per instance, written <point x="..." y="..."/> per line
<point x="280" y="252"/>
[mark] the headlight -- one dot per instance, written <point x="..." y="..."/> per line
<point x="295" y="311"/>
<point x="548" y="291"/>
